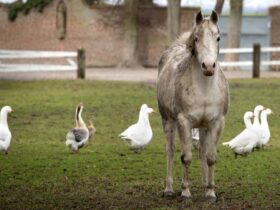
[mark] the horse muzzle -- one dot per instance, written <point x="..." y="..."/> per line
<point x="208" y="72"/>
<point x="208" y="68"/>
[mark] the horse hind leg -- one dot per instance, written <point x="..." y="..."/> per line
<point x="169" y="131"/>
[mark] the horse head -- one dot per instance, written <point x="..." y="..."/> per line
<point x="204" y="42"/>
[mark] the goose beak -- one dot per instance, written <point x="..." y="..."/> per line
<point x="151" y="110"/>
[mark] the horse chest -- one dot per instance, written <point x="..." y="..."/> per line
<point x="200" y="105"/>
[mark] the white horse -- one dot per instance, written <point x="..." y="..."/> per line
<point x="193" y="92"/>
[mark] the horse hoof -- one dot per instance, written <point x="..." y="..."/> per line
<point x="168" y="195"/>
<point x="186" y="201"/>
<point x="211" y="199"/>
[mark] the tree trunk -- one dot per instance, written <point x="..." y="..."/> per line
<point x="173" y="20"/>
<point x="234" y="31"/>
<point x="146" y="2"/>
<point x="219" y="6"/>
<point x="130" y="57"/>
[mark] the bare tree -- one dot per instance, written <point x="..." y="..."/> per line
<point x="130" y="57"/>
<point x="235" y="21"/>
<point x="219" y="6"/>
<point x="173" y="20"/>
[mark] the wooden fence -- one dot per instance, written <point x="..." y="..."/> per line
<point x="79" y="56"/>
<point x="256" y="61"/>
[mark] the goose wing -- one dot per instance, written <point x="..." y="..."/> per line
<point x="129" y="133"/>
<point x="80" y="134"/>
<point x="5" y="135"/>
<point x="245" y="149"/>
<point x="138" y="135"/>
<point x="242" y="139"/>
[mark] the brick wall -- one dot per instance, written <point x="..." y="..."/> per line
<point x="153" y="31"/>
<point x="275" y="32"/>
<point x="98" y="30"/>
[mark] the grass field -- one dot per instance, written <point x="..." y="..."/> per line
<point x="40" y="173"/>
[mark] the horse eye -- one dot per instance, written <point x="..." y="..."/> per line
<point x="218" y="39"/>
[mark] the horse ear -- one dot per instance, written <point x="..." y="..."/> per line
<point x="214" y="17"/>
<point x="198" y="18"/>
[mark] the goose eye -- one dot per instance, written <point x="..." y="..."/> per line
<point x="196" y="39"/>
<point x="218" y="39"/>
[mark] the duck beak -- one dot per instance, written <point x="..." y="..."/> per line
<point x="154" y="111"/>
<point x="13" y="110"/>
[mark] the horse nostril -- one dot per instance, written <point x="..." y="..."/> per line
<point x="214" y="64"/>
<point x="203" y="65"/>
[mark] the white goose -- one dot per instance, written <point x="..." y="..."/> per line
<point x="195" y="134"/>
<point x="264" y="127"/>
<point x="257" y="111"/>
<point x="244" y="142"/>
<point x="256" y="123"/>
<point x="78" y="136"/>
<point x="5" y="133"/>
<point x="195" y="138"/>
<point x="140" y="134"/>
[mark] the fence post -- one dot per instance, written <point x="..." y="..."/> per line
<point x="81" y="60"/>
<point x="256" y="60"/>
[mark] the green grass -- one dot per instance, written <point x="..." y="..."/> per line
<point x="40" y="173"/>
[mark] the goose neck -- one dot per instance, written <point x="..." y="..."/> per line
<point x="264" y="118"/>
<point x="79" y="120"/>
<point x="3" y="118"/>
<point x="256" y="117"/>
<point x="247" y="122"/>
<point x="143" y="118"/>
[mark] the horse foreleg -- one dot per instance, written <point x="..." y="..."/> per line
<point x="184" y="130"/>
<point x="169" y="131"/>
<point x="212" y="137"/>
<point x="202" y="156"/>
